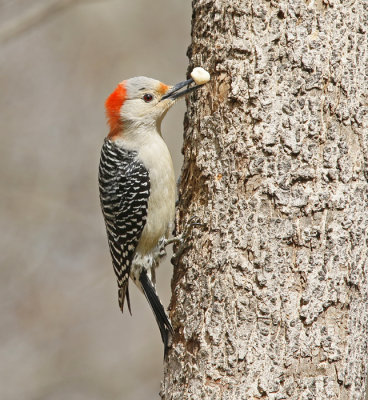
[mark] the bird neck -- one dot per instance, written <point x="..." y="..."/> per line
<point x="132" y="130"/>
<point x="134" y="136"/>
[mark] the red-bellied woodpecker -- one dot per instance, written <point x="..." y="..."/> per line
<point x="137" y="185"/>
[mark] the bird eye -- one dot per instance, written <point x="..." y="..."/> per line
<point x="147" y="97"/>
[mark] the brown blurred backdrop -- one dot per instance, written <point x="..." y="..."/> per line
<point x="62" y="335"/>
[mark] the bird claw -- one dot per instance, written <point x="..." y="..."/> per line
<point x="193" y="221"/>
<point x="180" y="240"/>
<point x="188" y="227"/>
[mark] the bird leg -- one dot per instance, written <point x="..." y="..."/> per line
<point x="181" y="239"/>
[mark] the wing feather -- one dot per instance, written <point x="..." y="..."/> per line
<point x="124" y="192"/>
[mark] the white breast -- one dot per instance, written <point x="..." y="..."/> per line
<point x="154" y="154"/>
<point x="161" y="205"/>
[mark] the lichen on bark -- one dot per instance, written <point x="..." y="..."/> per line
<point x="270" y="295"/>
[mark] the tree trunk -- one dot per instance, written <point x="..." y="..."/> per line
<point x="270" y="293"/>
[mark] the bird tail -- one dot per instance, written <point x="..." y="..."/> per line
<point x="158" y="310"/>
<point x="124" y="293"/>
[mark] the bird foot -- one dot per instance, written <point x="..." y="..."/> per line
<point x="181" y="239"/>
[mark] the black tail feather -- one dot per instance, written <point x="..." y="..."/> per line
<point x="122" y="294"/>
<point x="158" y="310"/>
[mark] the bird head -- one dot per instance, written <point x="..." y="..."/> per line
<point x="142" y="101"/>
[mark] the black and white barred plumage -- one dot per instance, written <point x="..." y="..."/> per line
<point x="124" y="192"/>
<point x="137" y="185"/>
<point x="124" y="184"/>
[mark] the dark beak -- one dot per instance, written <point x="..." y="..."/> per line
<point x="174" y="92"/>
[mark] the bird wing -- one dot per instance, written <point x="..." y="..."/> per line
<point x="124" y="192"/>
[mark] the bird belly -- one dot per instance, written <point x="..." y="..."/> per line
<point x="161" y="202"/>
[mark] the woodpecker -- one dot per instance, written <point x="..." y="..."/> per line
<point x="137" y="186"/>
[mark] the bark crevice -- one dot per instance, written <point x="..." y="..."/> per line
<point x="270" y="298"/>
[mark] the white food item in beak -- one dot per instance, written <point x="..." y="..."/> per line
<point x="200" y="76"/>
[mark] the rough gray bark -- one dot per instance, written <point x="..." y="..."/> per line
<point x="270" y="295"/>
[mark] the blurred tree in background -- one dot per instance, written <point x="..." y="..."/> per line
<point x="62" y="333"/>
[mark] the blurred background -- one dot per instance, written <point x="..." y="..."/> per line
<point x="62" y="335"/>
